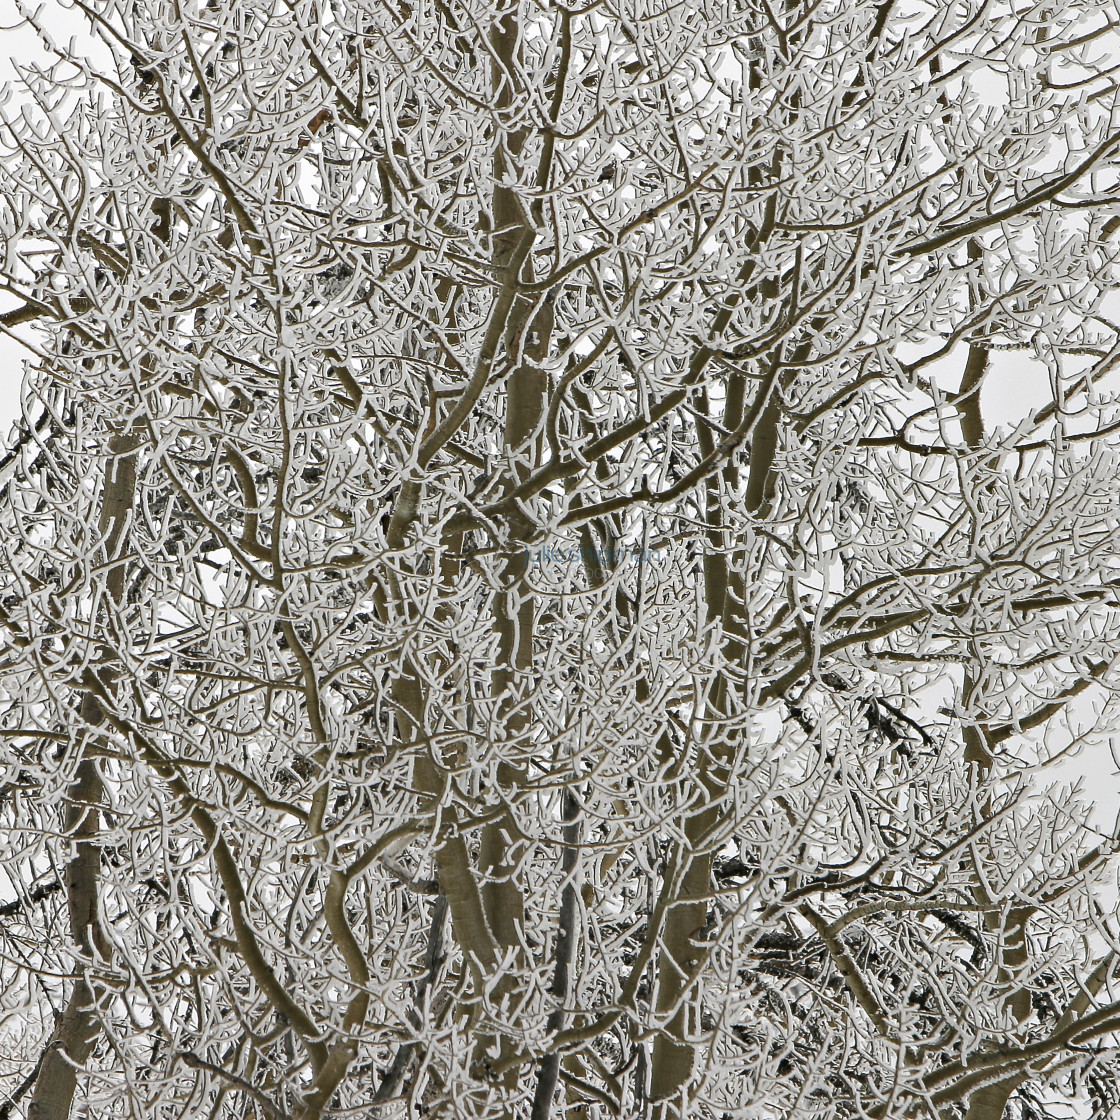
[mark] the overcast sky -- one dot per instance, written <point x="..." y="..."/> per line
<point x="19" y="44"/>
<point x="1017" y="383"/>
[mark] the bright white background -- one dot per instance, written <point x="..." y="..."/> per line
<point x="20" y="45"/>
<point x="1017" y="384"/>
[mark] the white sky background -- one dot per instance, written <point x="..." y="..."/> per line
<point x="20" y="45"/>
<point x="1016" y="384"/>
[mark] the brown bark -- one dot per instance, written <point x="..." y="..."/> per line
<point x="78" y="1029"/>
<point x="990" y="1101"/>
<point x="673" y="1057"/>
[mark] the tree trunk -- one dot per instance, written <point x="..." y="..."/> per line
<point x="78" y="1028"/>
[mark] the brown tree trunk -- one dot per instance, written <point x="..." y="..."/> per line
<point x="77" y="1030"/>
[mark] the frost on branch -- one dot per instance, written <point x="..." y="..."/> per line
<point x="515" y="601"/>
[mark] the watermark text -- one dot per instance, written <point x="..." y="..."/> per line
<point x="621" y="554"/>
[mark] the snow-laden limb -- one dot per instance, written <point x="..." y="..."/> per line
<point x="515" y="602"/>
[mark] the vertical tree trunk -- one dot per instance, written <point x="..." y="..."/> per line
<point x="78" y="1028"/>
<point x="674" y="1051"/>
<point x="990" y="1102"/>
<point x="77" y="1031"/>
<point x="549" y="1074"/>
<point x="527" y="333"/>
